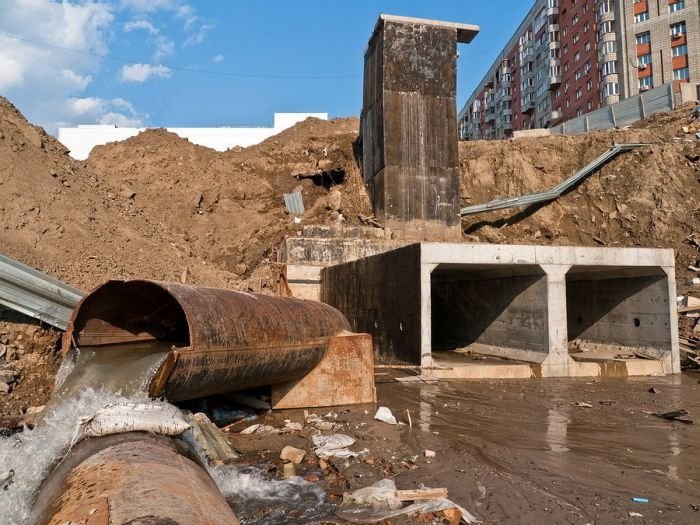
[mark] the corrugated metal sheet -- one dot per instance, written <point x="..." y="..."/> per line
<point x="35" y="294"/>
<point x="294" y="203"/>
<point x="512" y="202"/>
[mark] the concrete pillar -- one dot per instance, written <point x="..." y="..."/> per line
<point x="426" y="347"/>
<point x="672" y="360"/>
<point x="557" y="363"/>
<point x="409" y="126"/>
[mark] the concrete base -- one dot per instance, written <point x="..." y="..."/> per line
<point x="525" y="303"/>
<point x="345" y="376"/>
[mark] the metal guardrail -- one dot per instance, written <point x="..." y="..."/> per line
<point x="557" y="191"/>
<point x="35" y="294"/>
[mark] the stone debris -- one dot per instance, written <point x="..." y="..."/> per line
<point x="385" y="415"/>
<point x="259" y="429"/>
<point x="293" y="454"/>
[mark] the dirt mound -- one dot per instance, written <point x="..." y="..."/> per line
<point x="649" y="197"/>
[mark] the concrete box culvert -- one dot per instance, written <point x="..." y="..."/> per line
<point x="222" y="341"/>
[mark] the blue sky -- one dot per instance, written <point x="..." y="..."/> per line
<point x="130" y="60"/>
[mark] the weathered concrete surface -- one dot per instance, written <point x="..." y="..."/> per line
<point x="345" y="376"/>
<point x="409" y="126"/>
<point x="512" y="300"/>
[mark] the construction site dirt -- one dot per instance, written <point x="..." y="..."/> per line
<point x="540" y="451"/>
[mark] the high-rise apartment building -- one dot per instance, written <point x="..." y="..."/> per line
<point x="570" y="57"/>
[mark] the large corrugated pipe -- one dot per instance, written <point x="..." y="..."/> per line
<point x="222" y="340"/>
<point x="132" y="479"/>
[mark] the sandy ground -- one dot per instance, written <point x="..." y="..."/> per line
<point x="518" y="451"/>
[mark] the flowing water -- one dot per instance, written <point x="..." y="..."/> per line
<point x="94" y="377"/>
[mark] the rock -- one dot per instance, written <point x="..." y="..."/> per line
<point x="295" y="455"/>
<point x="34" y="410"/>
<point x="325" y="165"/>
<point x="8" y="376"/>
<point x="241" y="268"/>
<point x="334" y="200"/>
<point x="5" y="388"/>
<point x="429" y="453"/>
<point x="323" y="464"/>
<point x="312" y="478"/>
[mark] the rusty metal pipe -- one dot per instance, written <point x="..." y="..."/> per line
<point x="223" y="340"/>
<point x="130" y="478"/>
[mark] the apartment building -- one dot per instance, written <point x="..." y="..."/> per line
<point x="571" y="57"/>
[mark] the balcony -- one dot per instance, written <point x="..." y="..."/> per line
<point x="527" y="107"/>
<point x="490" y="117"/>
<point x="604" y="17"/>
<point x="552" y="28"/>
<point x="553" y="11"/>
<point x="507" y="112"/>
<point x="554" y="44"/>
<point x="557" y="114"/>
<point x="554" y="81"/>
<point x="507" y="126"/>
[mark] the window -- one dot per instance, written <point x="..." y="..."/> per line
<point x="644" y="38"/>
<point x="574" y="20"/>
<point x="611" y="89"/>
<point x="576" y="38"/>
<point x="678" y="29"/>
<point x="644" y="60"/>
<point x="679" y="51"/>
<point x="641" y="17"/>
<point x="587" y="47"/>
<point x="568" y="103"/>
<point x="579" y="93"/>
<point x="589" y="84"/>
<point x="579" y="112"/>
<point x="608" y="47"/>
<point x="585" y="7"/>
<point x="590" y="105"/>
<point x="681" y="74"/>
<point x="606" y="27"/>
<point x="608" y="68"/>
<point x="587" y="68"/>
<point x="676" y="6"/>
<point x="605" y="7"/>
<point x="586" y="27"/>
<point x="566" y="49"/>
<point x="578" y="74"/>
<point x="577" y="56"/>
<point x="564" y="31"/>
<point x="646" y="83"/>
<point x="566" y="67"/>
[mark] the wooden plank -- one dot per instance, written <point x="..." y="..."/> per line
<point x="421" y="494"/>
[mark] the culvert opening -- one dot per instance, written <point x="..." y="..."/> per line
<point x="130" y="312"/>
<point x="617" y="311"/>
<point x="498" y="310"/>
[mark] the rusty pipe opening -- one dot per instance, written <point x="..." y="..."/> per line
<point x="221" y="340"/>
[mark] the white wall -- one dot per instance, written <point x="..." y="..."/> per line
<point x="82" y="139"/>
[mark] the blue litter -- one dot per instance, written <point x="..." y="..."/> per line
<point x="640" y="500"/>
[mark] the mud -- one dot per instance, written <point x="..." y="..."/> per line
<point x="521" y="451"/>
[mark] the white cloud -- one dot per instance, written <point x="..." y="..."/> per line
<point x="218" y="58"/>
<point x="48" y="84"/>
<point x="144" y="25"/>
<point x="149" y="6"/>
<point x="142" y="72"/>
<point x="94" y="110"/>
<point x="164" y="47"/>
<point x="194" y="25"/>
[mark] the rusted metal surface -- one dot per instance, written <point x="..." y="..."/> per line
<point x="345" y="376"/>
<point x="131" y="478"/>
<point x="223" y="340"/>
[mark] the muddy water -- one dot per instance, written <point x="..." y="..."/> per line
<point x="126" y="369"/>
<point x="522" y="452"/>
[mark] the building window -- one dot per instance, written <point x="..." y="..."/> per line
<point x="590" y="105"/>
<point x="676" y="6"/>
<point x="611" y="89"/>
<point x="678" y="29"/>
<point x="587" y="47"/>
<point x="577" y="56"/>
<point x="564" y="31"/>
<point x="579" y="112"/>
<point x="644" y="38"/>
<point x="585" y="7"/>
<point x="646" y="83"/>
<point x="578" y="74"/>
<point x="641" y="17"/>
<point x="606" y="27"/>
<point x="568" y="103"/>
<point x="566" y="67"/>
<point x="608" y="47"/>
<point x="579" y="93"/>
<point x="605" y="7"/>
<point x="586" y="27"/>
<point x="566" y="49"/>
<point x="589" y="84"/>
<point x="576" y="38"/>
<point x="681" y="73"/>
<point x="587" y="68"/>
<point x="644" y="60"/>
<point x="609" y="68"/>
<point x="574" y="20"/>
<point x="679" y="51"/>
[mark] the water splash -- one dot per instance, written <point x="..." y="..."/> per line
<point x="32" y="454"/>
